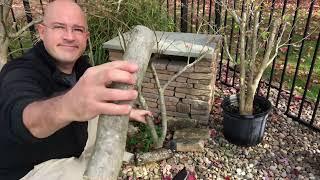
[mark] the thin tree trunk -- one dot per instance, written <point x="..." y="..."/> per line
<point x="106" y="160"/>
<point x="248" y="109"/>
<point x="163" y="109"/>
<point x="242" y="58"/>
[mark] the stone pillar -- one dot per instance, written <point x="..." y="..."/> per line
<point x="189" y="96"/>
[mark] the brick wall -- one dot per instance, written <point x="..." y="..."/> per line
<point x="189" y="95"/>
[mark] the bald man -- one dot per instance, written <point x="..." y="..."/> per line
<point x="48" y="95"/>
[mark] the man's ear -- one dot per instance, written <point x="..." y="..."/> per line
<point x="41" y="29"/>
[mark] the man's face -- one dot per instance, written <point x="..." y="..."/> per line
<point x="64" y="32"/>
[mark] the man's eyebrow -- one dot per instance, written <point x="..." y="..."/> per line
<point x="75" y="25"/>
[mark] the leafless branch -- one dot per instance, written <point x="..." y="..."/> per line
<point x="14" y="35"/>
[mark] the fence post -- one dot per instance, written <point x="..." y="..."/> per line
<point x="217" y="13"/>
<point x="27" y="10"/>
<point x="184" y="15"/>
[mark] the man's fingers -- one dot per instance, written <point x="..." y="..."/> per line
<point x="116" y="75"/>
<point x="122" y="65"/>
<point x="108" y="94"/>
<point x="114" y="109"/>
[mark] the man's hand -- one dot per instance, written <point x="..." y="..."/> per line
<point x="139" y="115"/>
<point x="91" y="95"/>
<point x="87" y="99"/>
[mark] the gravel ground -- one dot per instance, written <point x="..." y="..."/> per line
<point x="289" y="150"/>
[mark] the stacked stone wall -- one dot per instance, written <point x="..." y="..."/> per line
<point x="189" y="95"/>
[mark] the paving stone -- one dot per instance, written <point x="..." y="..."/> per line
<point x="192" y="133"/>
<point x="192" y="145"/>
<point x="175" y="123"/>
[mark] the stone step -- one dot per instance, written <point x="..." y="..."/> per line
<point x="192" y="133"/>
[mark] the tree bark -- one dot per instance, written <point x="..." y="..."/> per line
<point x="243" y="29"/>
<point x="106" y="160"/>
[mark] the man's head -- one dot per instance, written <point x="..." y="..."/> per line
<point x="64" y="32"/>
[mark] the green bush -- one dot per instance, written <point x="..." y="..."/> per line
<point x="107" y="18"/>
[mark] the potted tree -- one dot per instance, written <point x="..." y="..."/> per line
<point x="245" y="114"/>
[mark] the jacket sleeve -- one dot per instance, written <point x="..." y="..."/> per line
<point x="18" y="88"/>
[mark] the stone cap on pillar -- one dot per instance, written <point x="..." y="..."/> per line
<point x="176" y="44"/>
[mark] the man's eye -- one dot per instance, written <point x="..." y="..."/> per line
<point x="58" y="27"/>
<point x="80" y="30"/>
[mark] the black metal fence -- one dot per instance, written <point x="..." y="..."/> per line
<point x="292" y="83"/>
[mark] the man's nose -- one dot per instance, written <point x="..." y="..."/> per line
<point x="68" y="34"/>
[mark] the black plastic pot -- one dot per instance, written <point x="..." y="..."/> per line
<point x="244" y="130"/>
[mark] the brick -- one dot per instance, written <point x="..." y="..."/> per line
<point x="171" y="108"/>
<point x="199" y="112"/>
<point x="200" y="76"/>
<point x="181" y="79"/>
<point x="168" y="93"/>
<point x="203" y="98"/>
<point x="175" y="123"/>
<point x="183" y="108"/>
<point x="170" y="88"/>
<point x="197" y="81"/>
<point x="152" y="104"/>
<point x="192" y="91"/>
<point x="177" y="65"/>
<point x="154" y="110"/>
<point x="146" y="80"/>
<point x="202" y="119"/>
<point x="168" y="103"/>
<point x="179" y="95"/>
<point x="205" y="81"/>
<point x="190" y="85"/>
<point x="164" y="76"/>
<point x="205" y="62"/>
<point x="184" y="74"/>
<point x="171" y="99"/>
<point x="205" y="69"/>
<point x="165" y="72"/>
<point x="148" y="75"/>
<point x="177" y="114"/>
<point x="148" y="85"/>
<point x="202" y="86"/>
<point x="160" y="64"/>
<point x="115" y="55"/>
<point x="150" y="99"/>
<point x="178" y="84"/>
<point x="149" y="90"/>
<point x="150" y="95"/>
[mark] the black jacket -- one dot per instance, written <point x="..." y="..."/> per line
<point x="29" y="78"/>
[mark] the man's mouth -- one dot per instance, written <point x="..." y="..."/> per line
<point x="68" y="46"/>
